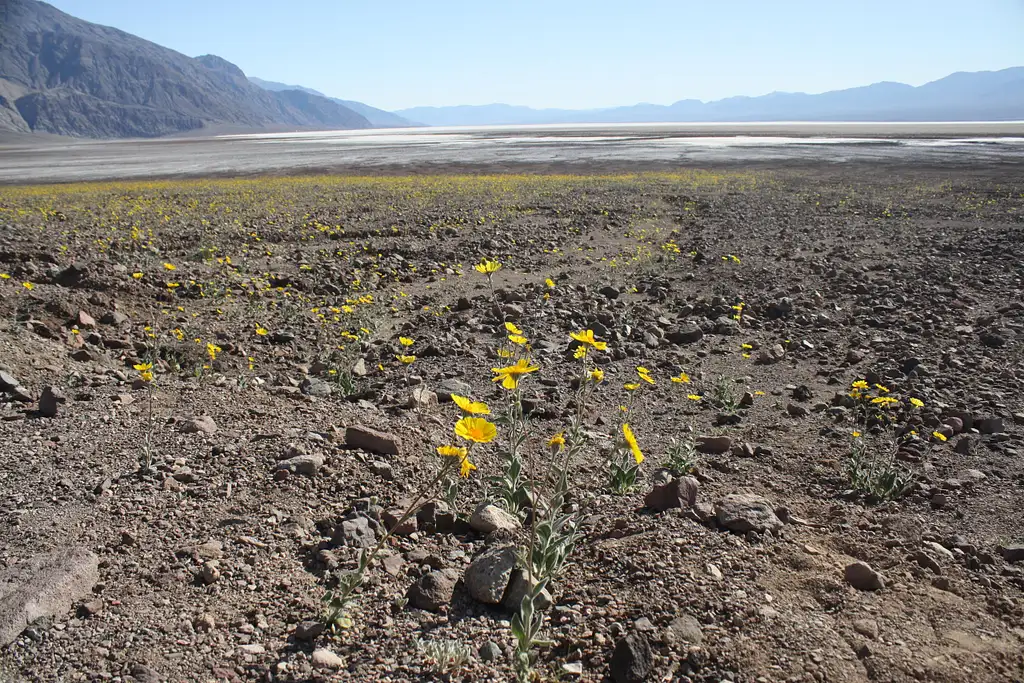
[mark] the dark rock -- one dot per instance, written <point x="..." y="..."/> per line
<point x="687" y="334"/>
<point x="677" y="493"/>
<point x="50" y="400"/>
<point x="743" y="512"/>
<point x="434" y="590"/>
<point x="632" y="660"/>
<point x="1013" y="553"/>
<point x="488" y="576"/>
<point x="990" y="425"/>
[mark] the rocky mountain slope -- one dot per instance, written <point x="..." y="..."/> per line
<point x="378" y="117"/>
<point x="59" y="74"/>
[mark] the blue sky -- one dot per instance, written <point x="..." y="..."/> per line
<point x="575" y="53"/>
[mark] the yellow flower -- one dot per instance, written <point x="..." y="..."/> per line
<point x="512" y="329"/>
<point x="487" y="267"/>
<point x="883" y="400"/>
<point x="855" y="435"/>
<point x="406" y="360"/>
<point x="939" y="435"/>
<point x="683" y="378"/>
<point x="550" y="283"/>
<point x="645" y="375"/>
<point x="557" y="441"/>
<point x="471" y="407"/>
<point x="145" y="371"/>
<point x="465" y="467"/>
<point x="261" y="331"/>
<point x="634" y="447"/>
<point x="405" y="341"/>
<point x="587" y="337"/>
<point x="580" y="352"/>
<point x="884" y="390"/>
<point x="137" y="275"/>
<point x="4" y="276"/>
<point x="452" y="451"/>
<point x="694" y="397"/>
<point x="916" y="402"/>
<point x="170" y="266"/>
<point x="746" y="346"/>
<point x="597" y="375"/>
<point x="504" y="353"/>
<point x="509" y="375"/>
<point x="860" y="384"/>
<point x="632" y="386"/>
<point x="178" y="334"/>
<point x="517" y="339"/>
<point x="28" y="285"/>
<point x="475" y="429"/>
<point x="212" y="350"/>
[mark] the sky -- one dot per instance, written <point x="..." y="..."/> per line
<point x="575" y="53"/>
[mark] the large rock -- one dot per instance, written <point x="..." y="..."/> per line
<point x="199" y="425"/>
<point x="715" y="445"/>
<point x="678" y="493"/>
<point x="44" y="587"/>
<point x="371" y="440"/>
<point x="487" y="518"/>
<point x="687" y="334"/>
<point x="861" y="576"/>
<point x="488" y="576"/>
<point x="433" y="590"/>
<point x="743" y="512"/>
<point x="305" y="464"/>
<point x="452" y="386"/>
<point x="50" y="400"/>
<point x="8" y="382"/>
<point x="632" y="660"/>
<point x="518" y="586"/>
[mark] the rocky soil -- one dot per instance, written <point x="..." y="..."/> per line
<point x="292" y="441"/>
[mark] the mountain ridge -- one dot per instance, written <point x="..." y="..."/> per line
<point x="961" y="96"/>
<point x="378" y="117"/>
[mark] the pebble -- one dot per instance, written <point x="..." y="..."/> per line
<point x="632" y="659"/>
<point x="487" y="518"/>
<point x="325" y="659"/>
<point x="433" y="590"/>
<point x="743" y="512"/>
<point x="861" y="576"/>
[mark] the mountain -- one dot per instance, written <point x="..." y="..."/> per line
<point x="60" y="74"/>
<point x="977" y="96"/>
<point x="378" y="117"/>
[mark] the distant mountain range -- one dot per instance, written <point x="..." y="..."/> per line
<point x="59" y="74"/>
<point x="63" y="75"/>
<point x="377" y="117"/>
<point x="978" y="96"/>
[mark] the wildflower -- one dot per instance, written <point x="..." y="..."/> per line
<point x="939" y="435"/>
<point x="261" y="331"/>
<point x="746" y="347"/>
<point x="137" y="275"/>
<point x="597" y="375"/>
<point x="517" y="339"/>
<point x="860" y="384"/>
<point x="587" y="337"/>
<point x="855" y="435"/>
<point x="694" y="397"/>
<point x="4" y="276"/>
<point x="556" y="442"/>
<point x="173" y="285"/>
<point x="883" y="400"/>
<point x="145" y="371"/>
<point x="476" y="429"/>
<point x="452" y="451"/>
<point x="509" y="375"/>
<point x="511" y="328"/>
<point x="634" y="447"/>
<point x="28" y="285"/>
<point x="465" y="467"/>
<point x="252" y="363"/>
<point x="405" y="360"/>
<point x="917" y="403"/>
<point x="212" y="350"/>
<point x="170" y="266"/>
<point x="884" y="390"/>
<point x="736" y="259"/>
<point x="470" y="407"/>
<point x="683" y="378"/>
<point x="178" y="334"/>
<point x="504" y="353"/>
<point x="487" y="267"/>
<point x="632" y="386"/>
<point x="550" y="283"/>
<point x="580" y="352"/>
<point x="645" y="374"/>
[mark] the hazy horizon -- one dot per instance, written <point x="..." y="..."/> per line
<point x="577" y="55"/>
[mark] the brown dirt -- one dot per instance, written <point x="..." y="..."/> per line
<point x="917" y="273"/>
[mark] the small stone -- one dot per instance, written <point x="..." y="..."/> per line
<point x="312" y="386"/>
<point x="383" y="470"/>
<point x="990" y="425"/>
<point x="743" y="512"/>
<point x="210" y="573"/>
<point x="632" y="659"/>
<point x="203" y="424"/>
<point x="90" y="608"/>
<point x="49" y="401"/>
<point x="84" y="321"/>
<point x="359" y="368"/>
<point x="867" y="628"/>
<point x="434" y="590"/>
<point x="861" y="576"/>
<point x="211" y="550"/>
<point x="252" y="649"/>
<point x="488" y="576"/>
<point x="325" y="659"/>
<point x="7" y="381"/>
<point x="518" y="587"/>
<point x="308" y="465"/>
<point x="487" y="518"/>
<point x="452" y="386"/>
<point x="715" y="445"/>
<point x="797" y="410"/>
<point x="391" y="519"/>
<point x="677" y="493"/>
<point x="371" y="440"/>
<point x="684" y="629"/>
<point x="687" y="334"/>
<point x="204" y="622"/>
<point x="356" y="532"/>
<point x="308" y="631"/>
<point x="490" y="652"/>
<point x="1013" y="553"/>
<point x="421" y="398"/>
